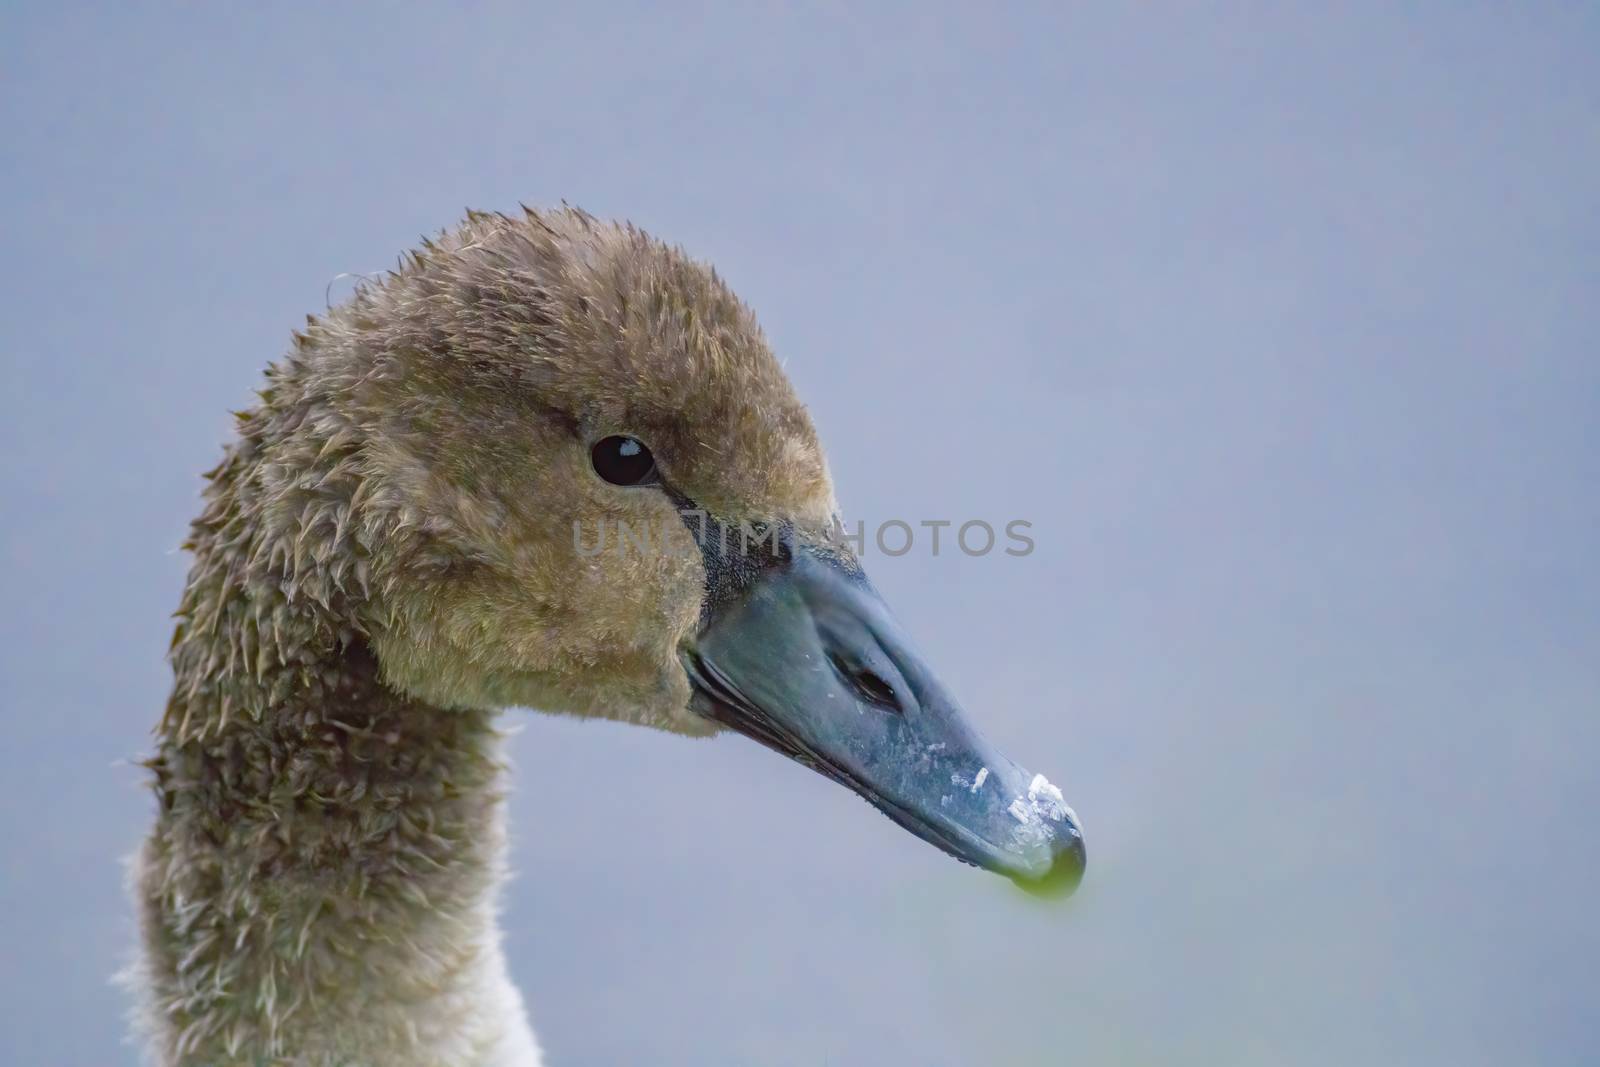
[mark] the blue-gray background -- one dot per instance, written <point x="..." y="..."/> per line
<point x="1280" y="324"/>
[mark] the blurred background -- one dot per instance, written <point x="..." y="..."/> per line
<point x="1279" y="323"/>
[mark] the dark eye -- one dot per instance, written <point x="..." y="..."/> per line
<point x="624" y="461"/>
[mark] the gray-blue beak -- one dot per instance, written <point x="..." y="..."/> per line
<point x="805" y="657"/>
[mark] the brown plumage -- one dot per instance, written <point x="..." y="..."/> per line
<point x="386" y="555"/>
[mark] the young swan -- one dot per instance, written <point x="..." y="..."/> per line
<point x="403" y="539"/>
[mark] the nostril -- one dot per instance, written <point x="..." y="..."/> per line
<point x="868" y="685"/>
<point x="876" y="689"/>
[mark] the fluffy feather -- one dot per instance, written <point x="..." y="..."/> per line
<point x="386" y="557"/>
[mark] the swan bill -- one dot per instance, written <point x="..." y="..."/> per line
<point x="803" y="655"/>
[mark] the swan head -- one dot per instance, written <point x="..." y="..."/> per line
<point x="568" y="473"/>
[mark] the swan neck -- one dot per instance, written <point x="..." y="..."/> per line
<point x="319" y="887"/>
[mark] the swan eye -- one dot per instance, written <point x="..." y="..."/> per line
<point x="624" y="460"/>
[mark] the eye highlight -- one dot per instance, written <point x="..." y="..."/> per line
<point x="623" y="460"/>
